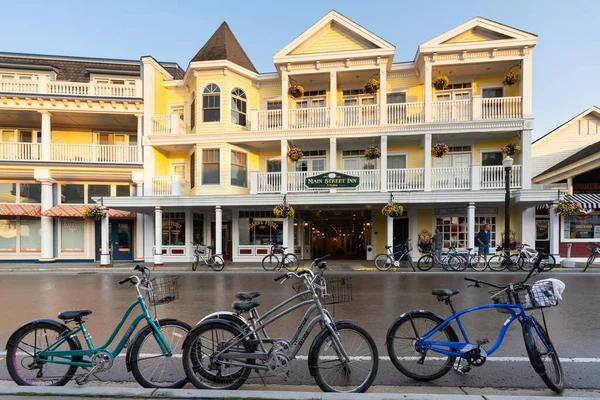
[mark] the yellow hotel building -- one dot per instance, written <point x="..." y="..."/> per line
<point x="201" y="155"/>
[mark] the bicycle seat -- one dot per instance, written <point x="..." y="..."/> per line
<point x="247" y="296"/>
<point x="73" y="314"/>
<point x="388" y="247"/>
<point x="445" y="292"/>
<point x="242" y="307"/>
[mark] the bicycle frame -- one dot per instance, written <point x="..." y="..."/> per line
<point x="50" y="352"/>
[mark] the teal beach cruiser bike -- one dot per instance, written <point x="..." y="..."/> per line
<point x="46" y="352"/>
<point x="424" y="346"/>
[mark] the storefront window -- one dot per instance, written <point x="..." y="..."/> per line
<point x="72" y="194"/>
<point x="97" y="191"/>
<point x="31" y="193"/>
<point x="8" y="192"/>
<point x="541" y="229"/>
<point x="454" y="230"/>
<point x="198" y="228"/>
<point x="260" y="231"/>
<point x="72" y="235"/>
<point x="582" y="227"/>
<point x="31" y="238"/>
<point x="173" y="229"/>
<point x="8" y="235"/>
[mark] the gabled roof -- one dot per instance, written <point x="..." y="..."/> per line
<point x="358" y="41"/>
<point x="479" y="32"/>
<point x="591" y="150"/>
<point x="592" y="109"/>
<point x="223" y="45"/>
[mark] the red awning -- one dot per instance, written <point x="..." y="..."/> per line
<point x="29" y="210"/>
<point x="70" y="210"/>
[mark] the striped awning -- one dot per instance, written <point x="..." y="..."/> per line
<point x="28" y="210"/>
<point x="71" y="210"/>
<point x="586" y="201"/>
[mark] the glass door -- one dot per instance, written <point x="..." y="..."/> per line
<point x="121" y="238"/>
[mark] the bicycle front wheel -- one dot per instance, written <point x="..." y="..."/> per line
<point x="384" y="262"/>
<point x="150" y="366"/>
<point x="290" y="262"/>
<point x="497" y="263"/>
<point x="217" y="263"/>
<point x="542" y="355"/>
<point x="195" y="263"/>
<point x="425" y="263"/>
<point x="548" y="263"/>
<point x="478" y="263"/>
<point x="270" y="262"/>
<point x="513" y="264"/>
<point x="455" y="262"/>
<point x="333" y="372"/>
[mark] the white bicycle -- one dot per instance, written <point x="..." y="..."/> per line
<point x="528" y="256"/>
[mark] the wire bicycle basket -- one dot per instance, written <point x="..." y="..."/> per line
<point x="531" y="297"/>
<point x="334" y="290"/>
<point x="163" y="290"/>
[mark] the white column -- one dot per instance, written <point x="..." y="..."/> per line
<point x="390" y="232"/>
<point x="427" y="89"/>
<point x="218" y="230"/>
<point x="46" y="135"/>
<point x="554" y="233"/>
<point x="413" y="231"/>
<point x="476" y="107"/>
<point x="427" y="162"/>
<point x="475" y="177"/>
<point x="284" y="101"/>
<point x="528" y="226"/>
<point x="332" y="154"/>
<point x="526" y="85"/>
<point x="104" y="240"/>
<point x="570" y="185"/>
<point x="284" y="166"/>
<point x="383" y="95"/>
<point x="525" y="159"/>
<point x="471" y="226"/>
<point x="139" y="224"/>
<point x="158" y="256"/>
<point x="47" y="223"/>
<point x="286" y="233"/>
<point x="332" y="99"/>
<point x="140" y="127"/>
<point x="383" y="163"/>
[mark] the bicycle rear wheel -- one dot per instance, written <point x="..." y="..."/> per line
<point x="478" y="263"/>
<point x="548" y="263"/>
<point x="455" y="262"/>
<point x="290" y="262"/>
<point x="384" y="262"/>
<point x="425" y="263"/>
<point x="216" y="263"/>
<point x="497" y="263"/>
<point x="270" y="262"/>
<point x="513" y="264"/>
<point x="542" y="355"/>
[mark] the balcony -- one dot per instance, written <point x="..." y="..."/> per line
<point x="20" y="151"/>
<point x="65" y="88"/>
<point x="167" y="125"/>
<point x="397" y="180"/>
<point x="96" y="153"/>
<point x="173" y="185"/>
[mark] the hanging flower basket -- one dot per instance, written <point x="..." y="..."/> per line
<point x="296" y="91"/>
<point x="440" y="82"/>
<point x="440" y="150"/>
<point x="94" y="212"/>
<point x="511" y="78"/>
<point x="511" y="149"/>
<point x="424" y="243"/>
<point x="294" y="154"/>
<point x="567" y="208"/>
<point x="372" y="153"/>
<point x="371" y="87"/>
<point x="392" y="209"/>
<point x="512" y="240"/>
<point x="284" y="211"/>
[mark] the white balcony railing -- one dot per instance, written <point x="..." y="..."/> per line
<point x="93" y="153"/>
<point x="43" y="86"/>
<point x="20" y="151"/>
<point x="358" y="115"/>
<point x="492" y="177"/>
<point x="405" y="179"/>
<point x="171" y="124"/>
<point x="305" y="118"/>
<point x="18" y="86"/>
<point x="369" y="180"/>
<point x="269" y="120"/>
<point x="173" y="185"/>
<point x="69" y="88"/>
<point x="451" y="178"/>
<point x="406" y="113"/>
<point x="269" y="182"/>
<point x="451" y="110"/>
<point x="501" y="108"/>
<point x="296" y="179"/>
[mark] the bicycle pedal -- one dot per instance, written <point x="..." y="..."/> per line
<point x="482" y="341"/>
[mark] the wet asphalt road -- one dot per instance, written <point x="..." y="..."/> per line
<point x="378" y="299"/>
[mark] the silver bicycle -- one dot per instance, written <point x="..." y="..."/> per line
<point x="222" y="350"/>
<point x="204" y="253"/>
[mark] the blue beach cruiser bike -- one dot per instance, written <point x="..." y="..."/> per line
<point x="424" y="346"/>
<point x="46" y="352"/>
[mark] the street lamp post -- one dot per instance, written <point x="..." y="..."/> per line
<point x="507" y="163"/>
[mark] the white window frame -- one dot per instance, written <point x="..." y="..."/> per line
<point x="487" y="150"/>
<point x="202" y="94"/>
<point x="273" y="99"/>
<point x="399" y="153"/>
<point x="272" y="158"/>
<point x="396" y="91"/>
<point x="245" y="100"/>
<point x="497" y="238"/>
<point x="569" y="240"/>
<point x="454" y="92"/>
<point x="238" y="150"/>
<point x="491" y="86"/>
<point x="201" y="183"/>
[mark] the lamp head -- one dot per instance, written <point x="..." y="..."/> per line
<point x="507" y="162"/>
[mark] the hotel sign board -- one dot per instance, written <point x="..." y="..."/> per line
<point x="331" y="180"/>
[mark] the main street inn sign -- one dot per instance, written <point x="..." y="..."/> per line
<point x="331" y="180"/>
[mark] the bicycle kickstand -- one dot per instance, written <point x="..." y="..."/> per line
<point x="462" y="369"/>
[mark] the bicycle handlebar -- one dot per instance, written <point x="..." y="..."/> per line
<point x="125" y="280"/>
<point x="288" y="275"/>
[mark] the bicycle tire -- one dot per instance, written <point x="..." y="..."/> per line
<point x="175" y="341"/>
<point x="270" y="262"/>
<point x="543" y="357"/>
<point x="513" y="265"/>
<point x="549" y="264"/>
<point x="194" y="357"/>
<point x="324" y="343"/>
<point x="496" y="263"/>
<point x="216" y="262"/>
<point x="590" y="261"/>
<point x="412" y="355"/>
<point x="13" y="363"/>
<point x="425" y="263"/>
<point x="478" y="263"/>
<point x="195" y="263"/>
<point x="291" y="262"/>
<point x="455" y="262"/>
<point x="384" y="262"/>
<point x="524" y="264"/>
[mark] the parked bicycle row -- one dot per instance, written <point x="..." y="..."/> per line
<point x="226" y="346"/>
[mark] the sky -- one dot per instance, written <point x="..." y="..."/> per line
<point x="566" y="60"/>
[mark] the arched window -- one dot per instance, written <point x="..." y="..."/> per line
<point x="211" y="103"/>
<point x="238" y="107"/>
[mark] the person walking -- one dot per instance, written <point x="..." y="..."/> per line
<point x="483" y="240"/>
<point x="437" y="245"/>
